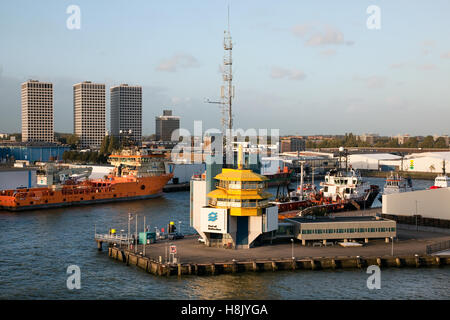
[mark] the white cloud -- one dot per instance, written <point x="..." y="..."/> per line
<point x="328" y="52"/>
<point x="319" y="36"/>
<point x="292" y="74"/>
<point x="372" y="82"/>
<point x="178" y="61"/>
<point x="427" y="67"/>
<point x="301" y="29"/>
<point x="399" y="65"/>
<point x="446" y="55"/>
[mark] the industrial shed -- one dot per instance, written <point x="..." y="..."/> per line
<point x="426" y="162"/>
<point x="371" y="161"/>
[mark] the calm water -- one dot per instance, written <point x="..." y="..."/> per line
<point x="37" y="247"/>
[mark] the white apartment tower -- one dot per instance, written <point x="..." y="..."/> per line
<point x="126" y="112"/>
<point x="89" y="109"/>
<point x="37" y="111"/>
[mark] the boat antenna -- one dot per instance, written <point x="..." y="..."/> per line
<point x="443" y="166"/>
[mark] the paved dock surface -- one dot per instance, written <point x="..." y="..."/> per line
<point x="189" y="250"/>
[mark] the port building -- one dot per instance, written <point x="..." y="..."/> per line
<point x="31" y="152"/>
<point x="316" y="228"/>
<point x="373" y="161"/>
<point x="165" y="126"/>
<point x="423" y="207"/>
<point x="234" y="212"/>
<point x="126" y="113"/>
<point x="89" y="111"/>
<point x="37" y="111"/>
<point x="426" y="162"/>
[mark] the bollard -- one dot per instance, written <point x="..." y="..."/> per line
<point x="274" y="266"/>
<point x="99" y="245"/>
<point x="213" y="268"/>
<point x="189" y="269"/>
<point x="196" y="269"/>
<point x="358" y="262"/>
<point x="333" y="263"/>
<point x="398" y="262"/>
<point x="438" y="261"/>
<point x="379" y="262"/>
<point x="313" y="265"/>
<point x="294" y="264"/>
<point x="234" y="268"/>
<point x="255" y="266"/>
<point x="179" y="269"/>
<point x="417" y="258"/>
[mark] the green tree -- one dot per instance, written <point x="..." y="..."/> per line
<point x="440" y="143"/>
<point x="428" y="142"/>
<point x="411" y="143"/>
<point x="73" y="140"/>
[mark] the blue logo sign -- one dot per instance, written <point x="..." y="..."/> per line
<point x="212" y="216"/>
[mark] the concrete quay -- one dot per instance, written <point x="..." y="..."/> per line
<point x="195" y="258"/>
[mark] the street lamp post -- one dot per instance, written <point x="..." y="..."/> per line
<point x="128" y="234"/>
<point x="292" y="249"/>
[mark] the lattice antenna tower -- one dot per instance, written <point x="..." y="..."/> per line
<point x="227" y="89"/>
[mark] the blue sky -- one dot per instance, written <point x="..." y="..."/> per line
<point x="304" y="67"/>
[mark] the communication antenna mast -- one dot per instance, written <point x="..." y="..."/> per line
<point x="227" y="92"/>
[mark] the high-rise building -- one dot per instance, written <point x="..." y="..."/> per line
<point x="89" y="113"/>
<point x="37" y="111"/>
<point x="166" y="125"/>
<point x="292" y="144"/>
<point x="126" y="112"/>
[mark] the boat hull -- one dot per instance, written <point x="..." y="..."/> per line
<point x="91" y="192"/>
<point x="78" y="203"/>
<point x="347" y="205"/>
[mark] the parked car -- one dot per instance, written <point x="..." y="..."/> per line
<point x="175" y="236"/>
<point x="201" y="240"/>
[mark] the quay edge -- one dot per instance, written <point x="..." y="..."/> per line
<point x="307" y="263"/>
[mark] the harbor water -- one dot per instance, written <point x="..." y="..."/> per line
<point x="38" y="246"/>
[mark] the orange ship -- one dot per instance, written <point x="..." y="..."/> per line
<point x="136" y="175"/>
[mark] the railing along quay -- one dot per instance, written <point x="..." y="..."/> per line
<point x="436" y="247"/>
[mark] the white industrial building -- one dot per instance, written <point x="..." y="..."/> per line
<point x="371" y="161"/>
<point x="431" y="203"/>
<point x="426" y="162"/>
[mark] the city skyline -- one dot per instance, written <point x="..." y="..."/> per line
<point x="305" y="68"/>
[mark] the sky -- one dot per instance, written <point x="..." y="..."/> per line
<point x="303" y="67"/>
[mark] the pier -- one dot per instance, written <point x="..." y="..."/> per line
<point x="412" y="249"/>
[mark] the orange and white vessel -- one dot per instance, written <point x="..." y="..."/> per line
<point x="137" y="174"/>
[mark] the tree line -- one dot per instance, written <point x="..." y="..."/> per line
<point x="108" y="146"/>
<point x="350" y="140"/>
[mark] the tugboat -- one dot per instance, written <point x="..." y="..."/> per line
<point x="341" y="190"/>
<point x="396" y="184"/>
<point x="442" y="180"/>
<point x="137" y="175"/>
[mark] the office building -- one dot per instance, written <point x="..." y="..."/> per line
<point x="126" y="113"/>
<point x="37" y="111"/>
<point x="89" y="113"/>
<point x="166" y="125"/>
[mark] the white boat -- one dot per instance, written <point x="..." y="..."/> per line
<point x="344" y="185"/>
<point x="442" y="180"/>
<point x="396" y="184"/>
<point x="350" y="244"/>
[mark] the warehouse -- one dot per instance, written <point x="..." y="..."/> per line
<point x="426" y="162"/>
<point x="32" y="153"/>
<point x="371" y="161"/>
<point x="312" y="228"/>
<point x="431" y="203"/>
